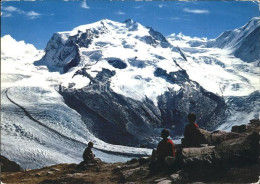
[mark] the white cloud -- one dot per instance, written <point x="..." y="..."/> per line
<point x="33" y="14"/>
<point x="196" y="11"/>
<point x="84" y="5"/>
<point x="12" y="9"/>
<point x="161" y="5"/>
<point x="120" y="13"/>
<point x="17" y="50"/>
<point x="4" y="14"/>
<point x="138" y="7"/>
<point x="175" y="18"/>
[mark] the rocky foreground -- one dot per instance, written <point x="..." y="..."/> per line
<point x="228" y="157"/>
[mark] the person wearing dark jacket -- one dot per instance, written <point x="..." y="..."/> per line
<point x="88" y="155"/>
<point x="165" y="149"/>
<point x="191" y="126"/>
<point x="192" y="135"/>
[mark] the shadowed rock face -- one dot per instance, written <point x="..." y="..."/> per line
<point x="210" y="108"/>
<point x="113" y="117"/>
<point x="121" y="120"/>
<point x="65" y="54"/>
<point x="157" y="36"/>
<point x="249" y="50"/>
<point x="9" y="166"/>
<point x="117" y="63"/>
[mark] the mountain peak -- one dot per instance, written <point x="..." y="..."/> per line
<point x="129" y="22"/>
<point x="67" y="49"/>
<point x="255" y="21"/>
<point x="243" y="41"/>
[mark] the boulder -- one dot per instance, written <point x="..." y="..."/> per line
<point x="204" y="137"/>
<point x="210" y="163"/>
<point x="196" y="152"/>
<point x="130" y="174"/>
<point x="239" y="129"/>
<point x="144" y="160"/>
<point x="159" y="180"/>
<point x="239" y="152"/>
<point x="165" y="182"/>
<point x="254" y="125"/>
<point x="54" y="169"/>
<point x="175" y="177"/>
<point x="9" y="166"/>
<point x="219" y="136"/>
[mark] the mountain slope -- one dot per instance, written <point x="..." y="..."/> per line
<point x="244" y="41"/>
<point x="37" y="127"/>
<point x="127" y="79"/>
<point x="220" y="71"/>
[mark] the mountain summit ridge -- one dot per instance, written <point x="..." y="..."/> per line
<point x="56" y="51"/>
<point x="244" y="41"/>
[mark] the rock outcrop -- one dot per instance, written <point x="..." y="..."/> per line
<point x="9" y="166"/>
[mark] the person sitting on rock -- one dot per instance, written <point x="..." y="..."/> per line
<point x="88" y="155"/>
<point x="165" y="147"/>
<point x="88" y="158"/>
<point x="192" y="135"/>
<point x="164" y="150"/>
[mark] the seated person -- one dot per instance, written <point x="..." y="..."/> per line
<point x="192" y="134"/>
<point x="164" y="149"/>
<point x="88" y="155"/>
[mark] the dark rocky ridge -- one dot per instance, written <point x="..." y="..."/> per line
<point x="121" y="120"/>
<point x="251" y="45"/>
<point x="111" y="116"/>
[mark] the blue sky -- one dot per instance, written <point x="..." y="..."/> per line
<point x="36" y="21"/>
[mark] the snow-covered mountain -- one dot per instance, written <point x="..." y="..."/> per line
<point x="144" y="86"/>
<point x="243" y="42"/>
<point x="118" y="83"/>
<point x="215" y="66"/>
